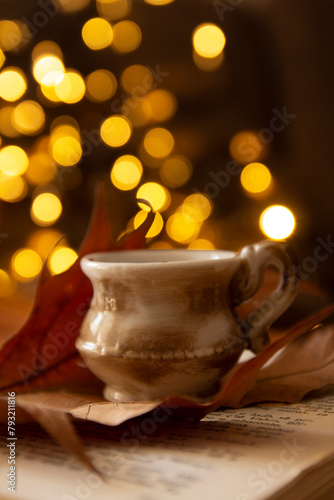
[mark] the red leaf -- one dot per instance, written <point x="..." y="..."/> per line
<point x="43" y="352"/>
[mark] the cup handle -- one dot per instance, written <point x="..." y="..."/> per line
<point x="254" y="259"/>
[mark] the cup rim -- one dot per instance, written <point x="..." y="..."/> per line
<point x="158" y="257"/>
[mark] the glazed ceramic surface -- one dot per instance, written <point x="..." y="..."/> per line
<point x="162" y="322"/>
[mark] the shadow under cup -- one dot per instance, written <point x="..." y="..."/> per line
<point x="161" y="322"/>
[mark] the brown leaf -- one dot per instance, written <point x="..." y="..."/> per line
<point x="306" y="364"/>
<point x="43" y="353"/>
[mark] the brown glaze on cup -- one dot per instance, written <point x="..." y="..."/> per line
<point x="162" y="322"/>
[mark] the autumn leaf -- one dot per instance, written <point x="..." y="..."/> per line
<point x="43" y="353"/>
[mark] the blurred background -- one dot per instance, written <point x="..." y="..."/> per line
<point x="218" y="112"/>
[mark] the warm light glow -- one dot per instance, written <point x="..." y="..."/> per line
<point x="113" y="9"/>
<point x="46" y="48"/>
<point x="127" y="36"/>
<point x="65" y="146"/>
<point x="46" y="209"/>
<point x="208" y="40"/>
<point x="182" y="229"/>
<point x="13" y="160"/>
<point x="158" y="142"/>
<point x="175" y="171"/>
<point x="277" y="222"/>
<point x="26" y="264"/>
<point x="2" y="58"/>
<point x="7" y="284"/>
<point x="97" y="33"/>
<point x="197" y="207"/>
<point x="12" y="188"/>
<point x="201" y="244"/>
<point x="41" y="168"/>
<point x="155" y="194"/>
<point x="137" y="79"/>
<point x="43" y="240"/>
<point x="66" y="151"/>
<point x="101" y="85"/>
<point x="12" y="84"/>
<point x="161" y="105"/>
<point x="48" y="70"/>
<point x="160" y="245"/>
<point x="28" y="117"/>
<point x="136" y="111"/>
<point x="156" y="227"/>
<point x="207" y="63"/>
<point x="6" y="125"/>
<point x="159" y="2"/>
<point x="61" y="259"/>
<point x="70" y="88"/>
<point x="246" y="147"/>
<point x="255" y="178"/>
<point x="126" y="172"/>
<point x="50" y="93"/>
<point x="10" y="35"/>
<point x="116" y="131"/>
<point x="72" y="6"/>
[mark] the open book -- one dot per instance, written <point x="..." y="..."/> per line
<point x="266" y="452"/>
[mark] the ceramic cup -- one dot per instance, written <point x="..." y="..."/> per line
<point x="163" y="322"/>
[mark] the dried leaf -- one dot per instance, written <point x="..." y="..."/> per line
<point x="306" y="364"/>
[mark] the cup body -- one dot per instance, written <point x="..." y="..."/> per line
<point x="160" y="322"/>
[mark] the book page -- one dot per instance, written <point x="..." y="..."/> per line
<point x="247" y="454"/>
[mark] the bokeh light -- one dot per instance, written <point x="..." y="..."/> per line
<point x="135" y="76"/>
<point x="246" y="147"/>
<point x="12" y="84"/>
<point x="158" y="142"/>
<point x="126" y="172"/>
<point x="26" y="264"/>
<point x="116" y="131"/>
<point x="181" y="228"/>
<point x="113" y="9"/>
<point x="10" y="35"/>
<point x="158" y="2"/>
<point x="156" y="194"/>
<point x="207" y="63"/>
<point x="201" y="244"/>
<point x="7" y="284"/>
<point x="208" y="40"/>
<point x="97" y="33"/>
<point x="46" y="209"/>
<point x="6" y="122"/>
<point x="48" y="70"/>
<point x="2" y="58"/>
<point x="197" y="207"/>
<point x="46" y="48"/>
<point x="12" y="188"/>
<point x="28" y="117"/>
<point x="43" y="240"/>
<point x="65" y="145"/>
<point x="277" y="222"/>
<point x="70" y="88"/>
<point x="72" y="6"/>
<point x="61" y="259"/>
<point x="255" y="178"/>
<point x="127" y="36"/>
<point x="13" y="160"/>
<point x="160" y="105"/>
<point x="175" y="171"/>
<point x="157" y="224"/>
<point x="41" y="168"/>
<point x="101" y="85"/>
